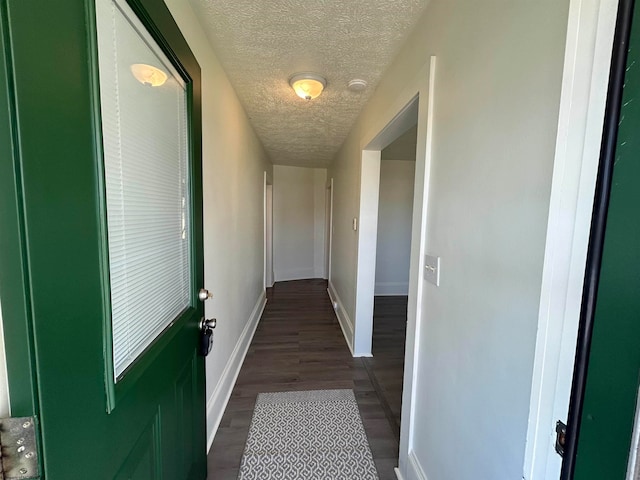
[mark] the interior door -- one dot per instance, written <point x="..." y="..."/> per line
<point x="104" y="191"/>
<point x="611" y="391"/>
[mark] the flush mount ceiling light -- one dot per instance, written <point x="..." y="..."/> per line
<point x="307" y="85"/>
<point x="148" y="75"/>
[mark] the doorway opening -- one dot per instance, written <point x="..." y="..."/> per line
<point x="412" y="107"/>
<point x="393" y="253"/>
<point x="268" y="232"/>
<point x="328" y="231"/>
<point x="405" y="121"/>
<point x="384" y="257"/>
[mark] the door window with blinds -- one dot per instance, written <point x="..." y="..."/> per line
<point x="146" y="176"/>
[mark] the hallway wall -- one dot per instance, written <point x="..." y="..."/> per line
<point x="234" y="163"/>
<point x="298" y="222"/>
<point x="395" y="211"/>
<point x="497" y="94"/>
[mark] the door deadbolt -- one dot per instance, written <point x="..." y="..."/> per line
<point x="206" y="335"/>
<point x="208" y="323"/>
<point x="561" y="437"/>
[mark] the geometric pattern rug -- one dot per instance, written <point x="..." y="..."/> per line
<point x="310" y="435"/>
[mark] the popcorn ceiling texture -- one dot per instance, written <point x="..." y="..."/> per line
<point x="262" y="43"/>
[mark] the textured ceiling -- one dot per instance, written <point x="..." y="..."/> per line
<point x="261" y="43"/>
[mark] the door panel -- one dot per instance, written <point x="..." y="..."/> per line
<point x="185" y="405"/>
<point x="160" y="409"/>
<point x="614" y="361"/>
<point x="142" y="462"/>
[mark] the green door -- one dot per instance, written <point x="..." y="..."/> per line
<point x="102" y="334"/>
<point x="611" y="391"/>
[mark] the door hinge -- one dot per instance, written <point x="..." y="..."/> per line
<point x="561" y="437"/>
<point x="19" y="457"/>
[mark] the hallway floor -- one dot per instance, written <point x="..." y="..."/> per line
<point x="299" y="346"/>
<point x="386" y="367"/>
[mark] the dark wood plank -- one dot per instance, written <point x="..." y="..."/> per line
<point x="386" y="367"/>
<point x="298" y="345"/>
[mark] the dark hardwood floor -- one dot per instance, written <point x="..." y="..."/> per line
<point x="386" y="367"/>
<point x="299" y="346"/>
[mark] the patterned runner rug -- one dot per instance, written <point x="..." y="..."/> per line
<point x="312" y="435"/>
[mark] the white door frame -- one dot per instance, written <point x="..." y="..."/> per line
<point x="584" y="89"/>
<point x="417" y="93"/>
<point x="268" y="232"/>
<point x="329" y="230"/>
<point x="368" y="228"/>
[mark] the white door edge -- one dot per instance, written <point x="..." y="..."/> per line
<point x="590" y="32"/>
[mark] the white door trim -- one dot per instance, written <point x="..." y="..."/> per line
<point x="398" y="122"/>
<point x="329" y="232"/>
<point x="267" y="211"/>
<point x="264" y="231"/>
<point x="589" y="44"/>
<point x="420" y="88"/>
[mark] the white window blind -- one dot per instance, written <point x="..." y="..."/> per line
<point x="146" y="164"/>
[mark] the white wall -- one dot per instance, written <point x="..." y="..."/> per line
<point x="395" y="209"/>
<point x="497" y="90"/>
<point x="298" y="222"/>
<point x="234" y="163"/>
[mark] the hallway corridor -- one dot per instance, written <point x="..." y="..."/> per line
<point x="299" y="346"/>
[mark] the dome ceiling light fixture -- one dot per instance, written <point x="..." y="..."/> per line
<point x="148" y="75"/>
<point x="307" y="85"/>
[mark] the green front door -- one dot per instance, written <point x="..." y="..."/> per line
<point x="110" y="405"/>
<point x="611" y="391"/>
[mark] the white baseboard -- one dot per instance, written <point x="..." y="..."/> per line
<point x="343" y="318"/>
<point x="398" y="474"/>
<point x="294" y="274"/>
<point x="217" y="403"/>
<point x="392" y="289"/>
<point x="415" y="469"/>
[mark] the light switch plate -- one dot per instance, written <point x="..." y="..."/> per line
<point x="432" y="269"/>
